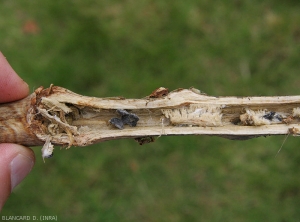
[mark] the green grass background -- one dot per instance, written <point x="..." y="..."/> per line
<point x="129" y="48"/>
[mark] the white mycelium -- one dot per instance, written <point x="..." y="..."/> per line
<point x="47" y="150"/>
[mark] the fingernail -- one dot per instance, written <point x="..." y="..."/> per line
<point x="20" y="166"/>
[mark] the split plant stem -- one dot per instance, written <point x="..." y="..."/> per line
<point x="65" y="118"/>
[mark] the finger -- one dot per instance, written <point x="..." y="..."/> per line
<point x="16" y="162"/>
<point x="12" y="87"/>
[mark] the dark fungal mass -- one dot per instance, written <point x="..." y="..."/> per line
<point x="130" y="119"/>
<point x="117" y="123"/>
<point x="127" y="118"/>
<point x="269" y="115"/>
<point x="122" y="112"/>
<point x="272" y="115"/>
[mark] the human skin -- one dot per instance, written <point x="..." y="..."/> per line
<point x="16" y="161"/>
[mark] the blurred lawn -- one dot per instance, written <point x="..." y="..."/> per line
<point x="128" y="48"/>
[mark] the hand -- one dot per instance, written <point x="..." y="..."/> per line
<point x="16" y="161"/>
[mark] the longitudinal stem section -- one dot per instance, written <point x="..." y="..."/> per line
<point x="58" y="116"/>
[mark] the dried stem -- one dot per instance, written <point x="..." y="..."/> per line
<point x="65" y="118"/>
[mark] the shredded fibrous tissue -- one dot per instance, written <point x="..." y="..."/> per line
<point x="195" y="115"/>
<point x="260" y="117"/>
<point x="296" y="112"/>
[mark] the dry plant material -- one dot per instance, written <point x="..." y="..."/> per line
<point x="57" y="116"/>
<point x="160" y="92"/>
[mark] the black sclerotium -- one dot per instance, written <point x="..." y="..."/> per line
<point x="269" y="115"/>
<point x="130" y="119"/>
<point x="279" y="117"/>
<point x="272" y="115"/>
<point x="122" y="112"/>
<point x="117" y="122"/>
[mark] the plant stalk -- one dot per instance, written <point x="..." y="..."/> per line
<point x="65" y="118"/>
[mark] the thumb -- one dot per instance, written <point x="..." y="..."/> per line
<point x="16" y="162"/>
<point x="12" y="87"/>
